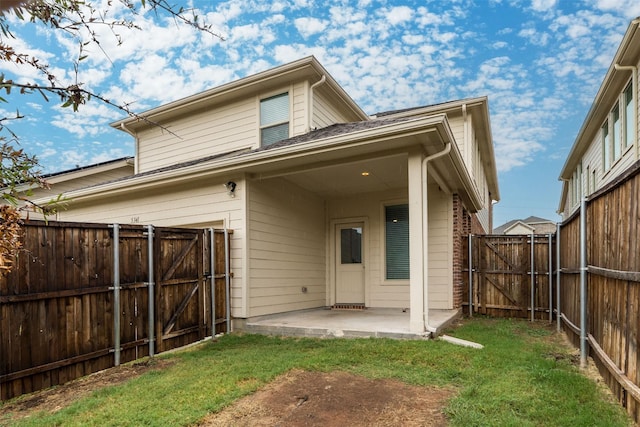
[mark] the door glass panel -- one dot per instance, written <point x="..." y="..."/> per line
<point x="351" y="245"/>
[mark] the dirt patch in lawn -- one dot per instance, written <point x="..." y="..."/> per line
<point x="335" y="399"/>
<point x="297" y="398"/>
<point x="56" y="398"/>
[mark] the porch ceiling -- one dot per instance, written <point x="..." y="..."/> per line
<point x="344" y="179"/>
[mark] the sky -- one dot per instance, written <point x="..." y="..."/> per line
<point x="539" y="62"/>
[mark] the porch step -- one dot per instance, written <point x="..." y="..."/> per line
<point x="348" y="307"/>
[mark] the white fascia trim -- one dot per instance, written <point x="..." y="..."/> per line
<point x="227" y="165"/>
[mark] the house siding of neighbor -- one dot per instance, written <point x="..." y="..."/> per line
<point x="335" y="183"/>
<point x="530" y="225"/>
<point x="607" y="143"/>
<point x="68" y="180"/>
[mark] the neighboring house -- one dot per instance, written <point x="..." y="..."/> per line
<point x="68" y="180"/>
<point x="328" y="205"/>
<point x="530" y="225"/>
<point x="607" y="143"/>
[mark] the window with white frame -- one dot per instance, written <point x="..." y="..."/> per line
<point x="628" y="116"/>
<point x="397" y="242"/>
<point x="274" y="119"/>
<point x="617" y="130"/>
<point x="575" y="188"/>
<point x="606" y="146"/>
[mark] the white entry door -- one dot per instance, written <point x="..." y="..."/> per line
<point x="349" y="264"/>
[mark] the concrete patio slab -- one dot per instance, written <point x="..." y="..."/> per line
<point x="328" y="323"/>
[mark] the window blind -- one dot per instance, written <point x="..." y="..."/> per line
<point x="397" y="241"/>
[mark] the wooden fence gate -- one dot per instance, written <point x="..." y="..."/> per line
<point x="507" y="275"/>
<point x="86" y="297"/>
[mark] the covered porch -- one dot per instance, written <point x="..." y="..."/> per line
<point x="330" y="323"/>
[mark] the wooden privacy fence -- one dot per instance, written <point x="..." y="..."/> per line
<point x="510" y="275"/>
<point x="611" y="273"/>
<point x="85" y="297"/>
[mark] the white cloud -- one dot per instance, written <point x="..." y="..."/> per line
<point x="628" y="8"/>
<point x="543" y="5"/>
<point x="399" y="15"/>
<point x="310" y="26"/>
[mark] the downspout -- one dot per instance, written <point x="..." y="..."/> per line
<point x="465" y="138"/>
<point x="136" y="142"/>
<point x="425" y="235"/>
<point x="634" y="87"/>
<point x="313" y="86"/>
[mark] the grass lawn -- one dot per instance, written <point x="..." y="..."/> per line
<point x="525" y="376"/>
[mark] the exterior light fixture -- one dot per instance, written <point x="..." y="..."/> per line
<point x="365" y="173"/>
<point x="231" y="188"/>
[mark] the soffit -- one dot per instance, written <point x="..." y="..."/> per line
<point x="327" y="166"/>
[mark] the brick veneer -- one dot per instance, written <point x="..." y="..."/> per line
<point x="464" y="224"/>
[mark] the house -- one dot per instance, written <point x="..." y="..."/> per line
<point x="79" y="177"/>
<point x="607" y="143"/>
<point x="530" y="225"/>
<point x="329" y="206"/>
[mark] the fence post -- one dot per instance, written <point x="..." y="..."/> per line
<point x="583" y="282"/>
<point x="212" y="269"/>
<point x="227" y="273"/>
<point x="533" y="279"/>
<point x="559" y="308"/>
<point x="470" y="275"/>
<point x="151" y="299"/>
<point x="116" y="293"/>
<point x="550" y="278"/>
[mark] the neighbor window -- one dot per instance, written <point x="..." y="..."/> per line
<point x="274" y="119"/>
<point x="606" y="146"/>
<point x="397" y="241"/>
<point x="618" y="129"/>
<point x="617" y="133"/>
<point x="628" y="116"/>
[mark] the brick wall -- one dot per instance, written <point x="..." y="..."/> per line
<point x="464" y="224"/>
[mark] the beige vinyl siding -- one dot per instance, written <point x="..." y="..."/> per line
<point x="299" y="109"/>
<point x="205" y="204"/>
<point x="85" y="181"/>
<point x="520" y="229"/>
<point x="483" y="217"/>
<point x="395" y="294"/>
<point x="60" y="184"/>
<point x="223" y="129"/>
<point x="323" y="113"/>
<point x="457" y="127"/>
<point x="440" y="249"/>
<point x="286" y="233"/>
<point x="598" y="175"/>
<point x="378" y="292"/>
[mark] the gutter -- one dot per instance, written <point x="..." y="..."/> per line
<point x="634" y="88"/>
<point x="313" y="86"/>
<point x="253" y="159"/>
<point x="425" y="236"/>
<point x="137" y="146"/>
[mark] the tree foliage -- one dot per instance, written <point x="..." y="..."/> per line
<point x="79" y="19"/>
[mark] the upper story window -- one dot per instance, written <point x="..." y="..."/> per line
<point x="617" y="130"/>
<point x="606" y="146"/>
<point x="274" y="119"/>
<point x="628" y="116"/>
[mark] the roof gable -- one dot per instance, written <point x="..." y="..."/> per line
<point x="304" y="69"/>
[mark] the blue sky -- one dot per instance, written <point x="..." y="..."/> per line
<point x="540" y="62"/>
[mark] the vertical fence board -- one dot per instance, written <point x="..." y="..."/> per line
<point x="56" y="306"/>
<point x="613" y="283"/>
<point x="502" y="276"/>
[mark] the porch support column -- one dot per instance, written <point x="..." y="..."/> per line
<point x="417" y="281"/>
